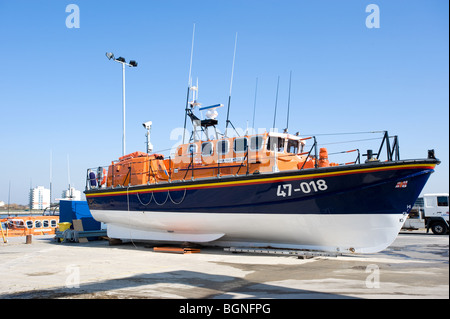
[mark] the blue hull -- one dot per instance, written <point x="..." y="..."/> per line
<point x="373" y="188"/>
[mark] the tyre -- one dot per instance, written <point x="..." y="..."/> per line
<point x="439" y="228"/>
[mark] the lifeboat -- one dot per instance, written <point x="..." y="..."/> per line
<point x="29" y="225"/>
<point x="263" y="190"/>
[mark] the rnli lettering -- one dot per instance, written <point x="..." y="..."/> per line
<point x="286" y="190"/>
<point x="231" y="160"/>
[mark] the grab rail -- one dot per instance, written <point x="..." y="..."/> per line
<point x="109" y="176"/>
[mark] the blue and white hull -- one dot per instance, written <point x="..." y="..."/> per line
<point x="339" y="209"/>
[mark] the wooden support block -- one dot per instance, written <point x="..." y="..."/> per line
<point x="176" y="250"/>
<point x="78" y="226"/>
<point x="114" y="241"/>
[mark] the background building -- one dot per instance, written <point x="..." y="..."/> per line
<point x="39" y="198"/>
<point x="71" y="193"/>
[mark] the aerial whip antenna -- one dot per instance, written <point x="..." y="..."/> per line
<point x="68" y="176"/>
<point x="231" y="86"/>
<point x="192" y="52"/>
<point x="254" y="104"/>
<point x="51" y="155"/>
<point x="189" y="83"/>
<point x="289" y="102"/>
<point x="276" y="102"/>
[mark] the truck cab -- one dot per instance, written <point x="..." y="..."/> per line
<point x="430" y="212"/>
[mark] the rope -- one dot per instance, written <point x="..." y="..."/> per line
<point x="348" y="133"/>
<point x="167" y="197"/>
<point x="129" y="219"/>
<point x="137" y="194"/>
<point x="182" y="199"/>
<point x="67" y="235"/>
<point x="343" y="142"/>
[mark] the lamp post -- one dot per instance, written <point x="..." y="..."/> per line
<point x="132" y="63"/>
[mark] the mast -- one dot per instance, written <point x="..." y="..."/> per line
<point x="51" y="156"/>
<point x="276" y="102"/>
<point x="254" y="104"/>
<point x="68" y="176"/>
<point x="9" y="196"/>
<point x="231" y="86"/>
<point x="189" y="84"/>
<point x="289" y="102"/>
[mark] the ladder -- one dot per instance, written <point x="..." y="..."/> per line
<point x="301" y="254"/>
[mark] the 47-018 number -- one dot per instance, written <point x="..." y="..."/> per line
<point x="305" y="187"/>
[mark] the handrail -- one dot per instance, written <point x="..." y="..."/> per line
<point x="175" y="172"/>
<point x="314" y="146"/>
<point x="390" y="151"/>
<point x="245" y="157"/>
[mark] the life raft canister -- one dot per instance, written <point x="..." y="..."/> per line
<point x="101" y="176"/>
<point x="92" y="179"/>
<point x="323" y="158"/>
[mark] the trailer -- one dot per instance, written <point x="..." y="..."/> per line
<point x="430" y="212"/>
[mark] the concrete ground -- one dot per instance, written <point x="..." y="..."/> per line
<point x="414" y="266"/>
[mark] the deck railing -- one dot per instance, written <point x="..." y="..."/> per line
<point x="251" y="162"/>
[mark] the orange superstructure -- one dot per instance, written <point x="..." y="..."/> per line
<point x="251" y="154"/>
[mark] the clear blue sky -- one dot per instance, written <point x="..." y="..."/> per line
<point x="60" y="94"/>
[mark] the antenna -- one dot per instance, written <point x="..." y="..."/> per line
<point x="192" y="51"/>
<point x="51" y="155"/>
<point x="9" y="196"/>
<point x="189" y="83"/>
<point x="68" y="176"/>
<point x="254" y="104"/>
<point x="148" y="125"/>
<point x="231" y="86"/>
<point x="276" y="102"/>
<point x="289" y="102"/>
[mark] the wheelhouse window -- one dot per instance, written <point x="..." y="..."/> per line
<point x="240" y="145"/>
<point x="442" y="201"/>
<point x="207" y="149"/>
<point x="222" y="147"/>
<point x="18" y="223"/>
<point x="275" y="144"/>
<point x="292" y="146"/>
<point x="256" y="143"/>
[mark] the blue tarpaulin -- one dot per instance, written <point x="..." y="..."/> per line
<point x="75" y="209"/>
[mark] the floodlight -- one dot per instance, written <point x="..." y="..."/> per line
<point x="110" y="55"/>
<point x="132" y="63"/>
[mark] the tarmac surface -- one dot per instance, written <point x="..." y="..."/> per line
<point x="416" y="265"/>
